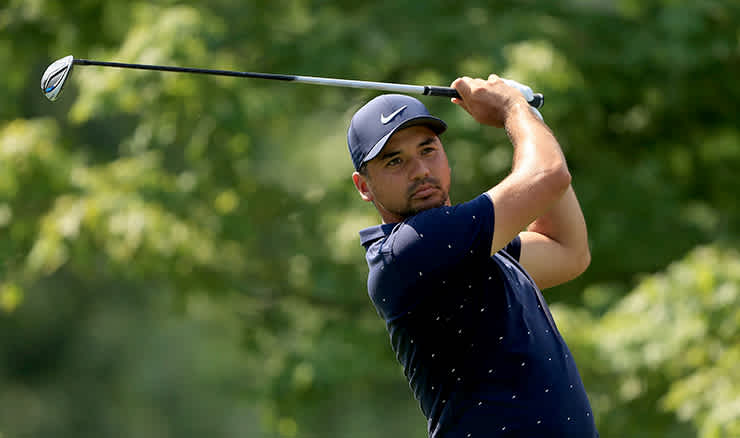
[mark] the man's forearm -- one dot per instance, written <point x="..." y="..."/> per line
<point x="539" y="177"/>
<point x="535" y="147"/>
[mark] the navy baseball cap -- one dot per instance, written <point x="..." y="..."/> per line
<point x="374" y="123"/>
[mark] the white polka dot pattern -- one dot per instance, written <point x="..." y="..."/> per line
<point x="466" y="342"/>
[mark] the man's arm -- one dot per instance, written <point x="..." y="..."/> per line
<point x="539" y="175"/>
<point x="537" y="192"/>
<point x="555" y="246"/>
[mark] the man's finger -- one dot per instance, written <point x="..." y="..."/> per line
<point x="463" y="89"/>
<point x="461" y="84"/>
<point x="525" y="90"/>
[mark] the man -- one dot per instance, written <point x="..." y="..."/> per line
<point x="459" y="286"/>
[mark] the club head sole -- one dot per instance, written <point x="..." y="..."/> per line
<point x="55" y="76"/>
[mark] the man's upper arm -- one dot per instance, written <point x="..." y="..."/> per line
<point x="555" y="247"/>
<point x="547" y="261"/>
<point x="520" y="199"/>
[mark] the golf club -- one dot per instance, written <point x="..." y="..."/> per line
<point x="57" y="73"/>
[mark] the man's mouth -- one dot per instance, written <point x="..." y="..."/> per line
<point x="424" y="191"/>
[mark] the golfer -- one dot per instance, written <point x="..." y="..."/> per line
<point x="458" y="285"/>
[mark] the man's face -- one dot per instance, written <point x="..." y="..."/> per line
<point x="411" y="174"/>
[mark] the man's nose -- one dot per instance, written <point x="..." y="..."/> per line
<point x="419" y="169"/>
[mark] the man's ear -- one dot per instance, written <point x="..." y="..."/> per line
<point x="362" y="186"/>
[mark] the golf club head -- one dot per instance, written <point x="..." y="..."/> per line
<point x="55" y="76"/>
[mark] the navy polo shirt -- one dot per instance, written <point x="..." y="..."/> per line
<point x="474" y="335"/>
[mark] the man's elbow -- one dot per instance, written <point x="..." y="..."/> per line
<point x="583" y="260"/>
<point x="558" y="179"/>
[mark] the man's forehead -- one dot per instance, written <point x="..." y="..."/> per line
<point x="414" y="135"/>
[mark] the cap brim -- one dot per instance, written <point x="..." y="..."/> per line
<point x="436" y="125"/>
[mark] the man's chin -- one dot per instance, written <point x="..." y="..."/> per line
<point x="418" y="205"/>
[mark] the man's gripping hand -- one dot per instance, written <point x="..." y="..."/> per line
<point x="490" y="102"/>
<point x="526" y="92"/>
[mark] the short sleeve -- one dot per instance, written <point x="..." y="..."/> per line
<point x="426" y="246"/>
<point x="440" y="237"/>
<point x="514" y="248"/>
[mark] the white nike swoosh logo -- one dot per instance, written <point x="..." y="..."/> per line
<point x="385" y="120"/>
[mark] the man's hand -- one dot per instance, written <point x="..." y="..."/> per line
<point x="490" y="102"/>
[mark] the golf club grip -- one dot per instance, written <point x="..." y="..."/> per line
<point x="538" y="100"/>
<point x="430" y="90"/>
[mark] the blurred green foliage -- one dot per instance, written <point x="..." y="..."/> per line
<point x="179" y="253"/>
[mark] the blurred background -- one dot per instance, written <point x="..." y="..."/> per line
<point x="179" y="254"/>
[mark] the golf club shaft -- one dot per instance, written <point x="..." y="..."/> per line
<point x="426" y="90"/>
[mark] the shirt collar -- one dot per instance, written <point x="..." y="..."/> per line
<point x="369" y="235"/>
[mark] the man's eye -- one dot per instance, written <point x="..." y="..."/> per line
<point x="428" y="150"/>
<point x="393" y="162"/>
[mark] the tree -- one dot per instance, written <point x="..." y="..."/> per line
<point x="220" y="211"/>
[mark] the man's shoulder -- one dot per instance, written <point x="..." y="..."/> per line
<point x="374" y="234"/>
<point x="445" y="223"/>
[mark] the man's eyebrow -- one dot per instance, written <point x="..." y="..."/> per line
<point x="427" y="141"/>
<point x="388" y="155"/>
